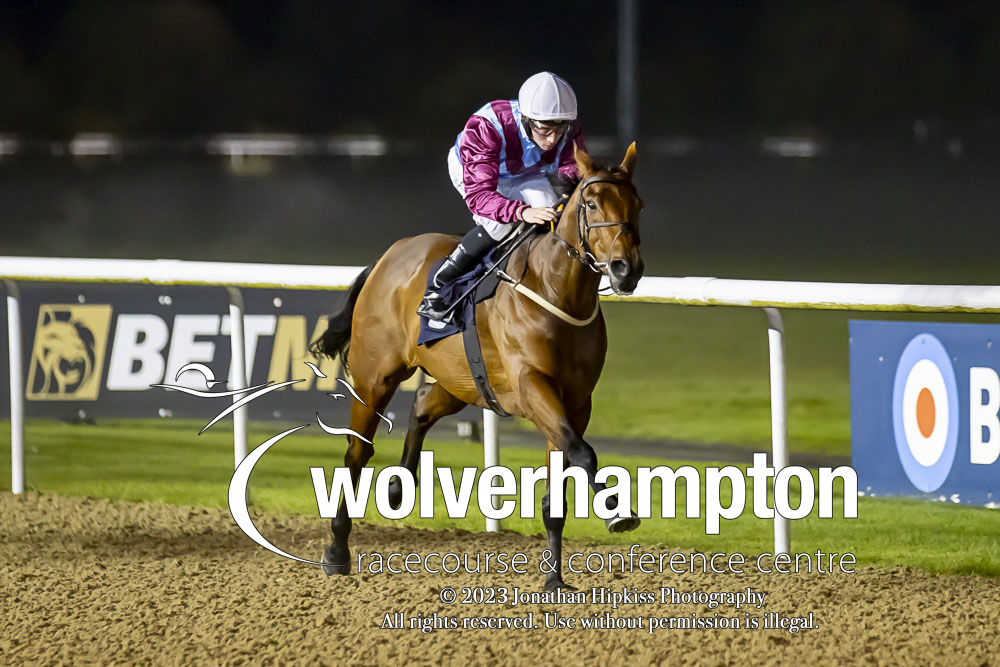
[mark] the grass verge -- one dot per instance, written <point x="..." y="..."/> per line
<point x="167" y="461"/>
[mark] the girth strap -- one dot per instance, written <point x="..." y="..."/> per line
<point x="474" y="355"/>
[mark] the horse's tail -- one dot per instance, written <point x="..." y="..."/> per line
<point x="336" y="341"/>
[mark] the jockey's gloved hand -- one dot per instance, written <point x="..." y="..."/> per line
<point x="541" y="215"/>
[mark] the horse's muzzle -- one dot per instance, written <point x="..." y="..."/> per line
<point x="624" y="276"/>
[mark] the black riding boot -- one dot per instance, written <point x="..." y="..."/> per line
<point x="473" y="247"/>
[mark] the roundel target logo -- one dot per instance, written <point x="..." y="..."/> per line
<point x="925" y="412"/>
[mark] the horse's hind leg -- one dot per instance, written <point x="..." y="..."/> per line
<point x="431" y="403"/>
<point x="364" y="421"/>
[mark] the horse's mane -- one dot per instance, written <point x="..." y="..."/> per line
<point x="565" y="187"/>
<point x="606" y="169"/>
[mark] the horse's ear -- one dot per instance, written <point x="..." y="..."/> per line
<point x="583" y="162"/>
<point x="631" y="157"/>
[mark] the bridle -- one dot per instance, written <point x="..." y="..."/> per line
<point x="587" y="258"/>
<point x="584" y="225"/>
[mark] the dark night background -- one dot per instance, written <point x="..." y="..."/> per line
<point x="410" y="68"/>
<point x="903" y="98"/>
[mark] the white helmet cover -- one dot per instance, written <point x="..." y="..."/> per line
<point x="545" y="96"/>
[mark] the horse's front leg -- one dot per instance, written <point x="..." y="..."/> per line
<point x="554" y="530"/>
<point x="542" y="403"/>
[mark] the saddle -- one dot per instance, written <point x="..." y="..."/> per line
<point x="464" y="301"/>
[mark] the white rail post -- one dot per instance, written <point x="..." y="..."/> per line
<point x="239" y="371"/>
<point x="491" y="456"/>
<point x="779" y="447"/>
<point x="16" y="388"/>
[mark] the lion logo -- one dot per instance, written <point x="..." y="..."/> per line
<point x="68" y="353"/>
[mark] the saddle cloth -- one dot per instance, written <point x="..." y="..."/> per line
<point x="463" y="313"/>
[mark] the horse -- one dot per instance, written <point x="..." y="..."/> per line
<point x="541" y="366"/>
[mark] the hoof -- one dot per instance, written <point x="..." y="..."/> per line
<point x="332" y="565"/>
<point x="622" y="525"/>
<point x="553" y="585"/>
<point x="329" y="569"/>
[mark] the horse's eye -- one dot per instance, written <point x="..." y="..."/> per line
<point x="592" y="206"/>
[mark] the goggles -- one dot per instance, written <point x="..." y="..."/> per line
<point x="549" y="128"/>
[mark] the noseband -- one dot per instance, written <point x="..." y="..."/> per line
<point x="587" y="258"/>
<point x="584" y="225"/>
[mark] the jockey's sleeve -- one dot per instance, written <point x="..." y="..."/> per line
<point x="567" y="163"/>
<point x="479" y="150"/>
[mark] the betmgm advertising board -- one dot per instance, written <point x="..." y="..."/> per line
<point x="92" y="351"/>
<point x="924" y="410"/>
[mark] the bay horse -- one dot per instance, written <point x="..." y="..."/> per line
<point x="540" y="367"/>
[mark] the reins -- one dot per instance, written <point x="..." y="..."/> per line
<point x="514" y="245"/>
<point x="587" y="257"/>
<point x="584" y="225"/>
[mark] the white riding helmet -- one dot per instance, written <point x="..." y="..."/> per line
<point x="545" y="96"/>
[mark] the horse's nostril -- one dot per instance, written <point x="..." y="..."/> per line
<point x="619" y="268"/>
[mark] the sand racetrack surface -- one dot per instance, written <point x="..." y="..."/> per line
<point x="93" y="581"/>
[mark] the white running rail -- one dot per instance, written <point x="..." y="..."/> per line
<point x="692" y="291"/>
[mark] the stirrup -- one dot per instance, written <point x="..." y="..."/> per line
<point x="435" y="309"/>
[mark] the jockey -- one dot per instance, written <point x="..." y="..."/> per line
<point x="501" y="164"/>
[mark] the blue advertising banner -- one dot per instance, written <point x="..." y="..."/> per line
<point x="924" y="410"/>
